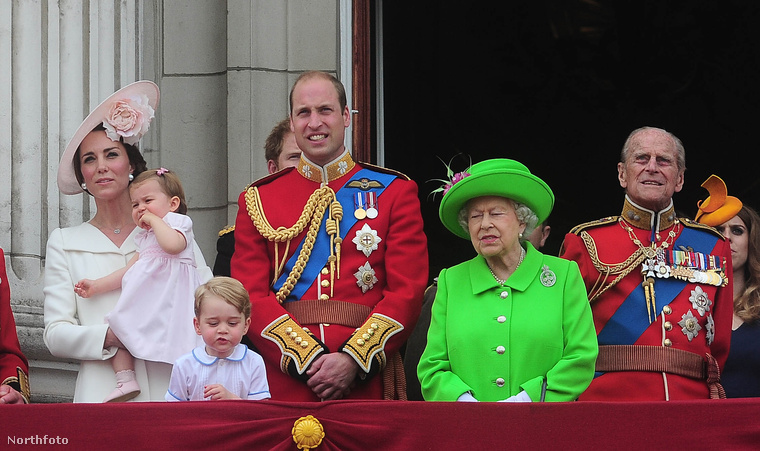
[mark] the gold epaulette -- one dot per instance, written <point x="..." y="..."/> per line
<point x="587" y="225"/>
<point x="369" y="340"/>
<point x="226" y="230"/>
<point x="698" y="225"/>
<point x="385" y="170"/>
<point x="297" y="344"/>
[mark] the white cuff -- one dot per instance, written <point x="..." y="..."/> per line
<point x="466" y="397"/>
<point x="520" y="397"/>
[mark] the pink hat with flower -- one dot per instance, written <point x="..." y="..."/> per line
<point x="125" y="114"/>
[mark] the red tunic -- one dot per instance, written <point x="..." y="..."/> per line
<point x="620" y="313"/>
<point x="13" y="365"/>
<point x="390" y="305"/>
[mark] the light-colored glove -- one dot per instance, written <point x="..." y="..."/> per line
<point x="520" y="397"/>
<point x="466" y="397"/>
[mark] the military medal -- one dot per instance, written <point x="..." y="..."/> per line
<point x="372" y="205"/>
<point x="366" y="240"/>
<point x="652" y="264"/>
<point x="365" y="277"/>
<point x="359" y="211"/>
<point x="700" y="301"/>
<point x="689" y="325"/>
<point x="696" y="267"/>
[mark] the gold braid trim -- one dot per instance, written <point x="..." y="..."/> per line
<point x="312" y="214"/>
<point x="297" y="344"/>
<point x="369" y="340"/>
<point x="605" y="270"/>
<point x="332" y="227"/>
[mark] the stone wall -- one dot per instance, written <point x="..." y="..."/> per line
<point x="224" y="69"/>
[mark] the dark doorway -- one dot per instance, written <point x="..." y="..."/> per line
<point x="558" y="85"/>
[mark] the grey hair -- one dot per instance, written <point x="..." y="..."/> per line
<point x="681" y="159"/>
<point x="523" y="212"/>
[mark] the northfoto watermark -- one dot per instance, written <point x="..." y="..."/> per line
<point x="38" y="440"/>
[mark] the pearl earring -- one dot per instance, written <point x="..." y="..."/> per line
<point x="131" y="177"/>
<point x="84" y="186"/>
<point x="519" y="235"/>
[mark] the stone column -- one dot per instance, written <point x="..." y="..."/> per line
<point x="193" y="111"/>
<point x="269" y="45"/>
<point x="61" y="60"/>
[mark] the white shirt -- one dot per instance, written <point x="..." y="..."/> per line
<point x="242" y="373"/>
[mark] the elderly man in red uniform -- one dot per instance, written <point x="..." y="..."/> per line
<point x="659" y="286"/>
<point x="334" y="257"/>
<point x="14" y="383"/>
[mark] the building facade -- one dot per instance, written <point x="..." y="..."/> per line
<point x="224" y="68"/>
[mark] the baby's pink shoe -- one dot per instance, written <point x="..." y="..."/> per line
<point x="126" y="387"/>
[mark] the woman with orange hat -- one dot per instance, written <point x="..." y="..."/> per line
<point x="740" y="224"/>
<point x="101" y="160"/>
<point x="510" y="324"/>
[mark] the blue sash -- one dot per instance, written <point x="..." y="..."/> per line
<point x="321" y="250"/>
<point x="631" y="319"/>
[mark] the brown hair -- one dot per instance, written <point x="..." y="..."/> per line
<point x="273" y="144"/>
<point x="136" y="159"/>
<point x="228" y="289"/>
<point x="339" y="89"/>
<point x="747" y="305"/>
<point x="169" y="183"/>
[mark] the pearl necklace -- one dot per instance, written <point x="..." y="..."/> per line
<point x="504" y="281"/>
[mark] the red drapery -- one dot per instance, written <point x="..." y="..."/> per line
<point x="388" y="425"/>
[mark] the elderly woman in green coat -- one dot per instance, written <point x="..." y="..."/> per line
<point x="511" y="324"/>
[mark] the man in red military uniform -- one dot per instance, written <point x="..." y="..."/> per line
<point x="334" y="257"/>
<point x="659" y="286"/>
<point x="14" y="382"/>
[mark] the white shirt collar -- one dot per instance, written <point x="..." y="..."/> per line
<point x="204" y="358"/>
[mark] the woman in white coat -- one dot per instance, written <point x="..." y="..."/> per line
<point x="101" y="159"/>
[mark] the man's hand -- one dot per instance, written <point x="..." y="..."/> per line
<point x="332" y="376"/>
<point x="10" y="396"/>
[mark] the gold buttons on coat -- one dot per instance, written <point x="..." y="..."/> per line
<point x="298" y="340"/>
<point x="668" y="325"/>
<point x="324" y="297"/>
<point x="667" y="310"/>
<point x="667" y="342"/>
<point x="325" y="283"/>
